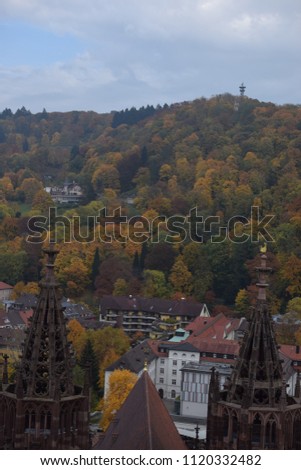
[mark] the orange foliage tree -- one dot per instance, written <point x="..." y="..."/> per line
<point x="78" y="336"/>
<point x="121" y="383"/>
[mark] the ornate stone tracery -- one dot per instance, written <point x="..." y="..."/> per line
<point x="254" y="411"/>
<point x="43" y="409"/>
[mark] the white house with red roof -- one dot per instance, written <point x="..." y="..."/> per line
<point x="5" y="291"/>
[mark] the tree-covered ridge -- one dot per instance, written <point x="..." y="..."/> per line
<point x="222" y="155"/>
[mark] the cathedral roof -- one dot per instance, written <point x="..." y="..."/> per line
<point x="142" y="422"/>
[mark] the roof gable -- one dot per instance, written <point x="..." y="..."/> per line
<point x="4" y="286"/>
<point x="134" y="359"/>
<point x="142" y="422"/>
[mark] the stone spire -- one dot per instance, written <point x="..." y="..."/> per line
<point x="44" y="409"/>
<point x="5" y="369"/>
<point x="45" y="367"/>
<point x="255" y="411"/>
<point x="257" y="377"/>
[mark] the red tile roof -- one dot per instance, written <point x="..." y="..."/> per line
<point x="4" y="286"/>
<point x="218" y="327"/>
<point x="210" y="345"/>
<point x="25" y="315"/>
<point x="291" y="351"/>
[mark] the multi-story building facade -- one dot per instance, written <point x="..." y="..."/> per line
<point x="195" y="386"/>
<point x="173" y="357"/>
<point x="149" y="316"/>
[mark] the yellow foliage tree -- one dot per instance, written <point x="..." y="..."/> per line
<point x="78" y="336"/>
<point x="22" y="288"/>
<point x="110" y="357"/>
<point x="291" y="273"/>
<point x="30" y="187"/>
<point x="6" y="186"/>
<point x="121" y="383"/>
<point x="242" y="302"/>
<point x="180" y="277"/>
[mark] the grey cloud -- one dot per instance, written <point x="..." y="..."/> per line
<point x="147" y="52"/>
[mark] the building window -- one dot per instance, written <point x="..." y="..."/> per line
<point x="161" y="370"/>
<point x="256" y="430"/>
<point x="174" y="363"/>
<point x="162" y="361"/>
<point x="173" y="394"/>
<point x="174" y="372"/>
<point x="161" y="380"/>
<point x="174" y="382"/>
<point x="225" y="423"/>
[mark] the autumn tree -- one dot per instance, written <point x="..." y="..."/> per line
<point x="165" y="172"/>
<point x="155" y="284"/>
<point x="111" y="269"/>
<point x="108" y="345"/>
<point x="294" y="306"/>
<point x="120" y="287"/>
<point x="22" y="288"/>
<point x="106" y="176"/>
<point x="242" y="302"/>
<point x="109" y="358"/>
<point x="12" y="266"/>
<point x="74" y="276"/>
<point x="42" y="201"/>
<point x="77" y="335"/>
<point x="109" y="339"/>
<point x="180" y="277"/>
<point x="5" y="212"/>
<point x="30" y="187"/>
<point x="160" y="257"/>
<point x="291" y="273"/>
<point x="8" y="227"/>
<point x="6" y="186"/>
<point x="121" y="383"/>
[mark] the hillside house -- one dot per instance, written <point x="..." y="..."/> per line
<point x="69" y="193"/>
<point x="5" y="291"/>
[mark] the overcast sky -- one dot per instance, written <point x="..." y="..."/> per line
<point x="105" y="55"/>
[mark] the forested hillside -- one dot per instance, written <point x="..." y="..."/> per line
<point x="221" y="156"/>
